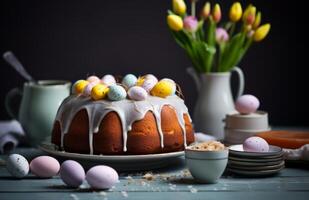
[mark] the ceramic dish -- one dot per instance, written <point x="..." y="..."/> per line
<point x="253" y="121"/>
<point x="255" y="173"/>
<point x="238" y="150"/>
<point x="257" y="160"/>
<point x="254" y="163"/>
<point x="119" y="162"/>
<point x="256" y="168"/>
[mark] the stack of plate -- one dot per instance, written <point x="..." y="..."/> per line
<point x="255" y="163"/>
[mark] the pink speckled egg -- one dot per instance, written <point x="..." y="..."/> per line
<point x="247" y="104"/>
<point x="88" y="88"/>
<point x="137" y="93"/>
<point x="44" y="166"/>
<point x="255" y="144"/>
<point x="108" y="80"/>
<point x="101" y="177"/>
<point x="72" y="173"/>
<point x="94" y="79"/>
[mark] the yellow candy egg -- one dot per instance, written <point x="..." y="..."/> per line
<point x="79" y="86"/>
<point x="162" y="89"/>
<point x="99" y="91"/>
<point x="140" y="81"/>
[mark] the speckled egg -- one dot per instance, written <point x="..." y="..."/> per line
<point x="162" y="89"/>
<point x="108" y="80"/>
<point x="88" y="88"/>
<point x="172" y="82"/>
<point x="137" y="93"/>
<point x="94" y="79"/>
<point x="101" y="177"/>
<point x="129" y="80"/>
<point x="116" y="93"/>
<point x="44" y="166"/>
<point x="72" y="173"/>
<point x="99" y="91"/>
<point x="255" y="144"/>
<point x="247" y="104"/>
<point x="17" y="165"/>
<point x="147" y="82"/>
<point x="79" y="86"/>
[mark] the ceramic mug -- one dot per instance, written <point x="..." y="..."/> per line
<point x="39" y="104"/>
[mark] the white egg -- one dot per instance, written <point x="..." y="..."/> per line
<point x="102" y="177"/>
<point x="137" y="93"/>
<point x="108" y="80"/>
<point x="17" y="165"/>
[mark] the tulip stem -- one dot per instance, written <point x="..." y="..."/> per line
<point x="193" y="8"/>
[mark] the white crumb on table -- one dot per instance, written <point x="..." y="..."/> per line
<point x="74" y="196"/>
<point x="124" y="194"/>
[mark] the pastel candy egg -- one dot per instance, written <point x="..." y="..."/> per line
<point x="17" y="165"/>
<point x="94" y="79"/>
<point x="79" y="86"/>
<point x="99" y="91"/>
<point x="255" y="144"/>
<point x="102" y="177"/>
<point x="88" y="88"/>
<point x="247" y="104"/>
<point x="116" y="93"/>
<point x="148" y="84"/>
<point x="172" y="82"/>
<point x="162" y="89"/>
<point x="137" y="93"/>
<point x="108" y="80"/>
<point x="151" y="76"/>
<point x="44" y="166"/>
<point x="129" y="80"/>
<point x="72" y="173"/>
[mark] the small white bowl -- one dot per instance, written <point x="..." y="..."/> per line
<point x="206" y="166"/>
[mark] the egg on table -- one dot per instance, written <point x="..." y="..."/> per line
<point x="93" y="79"/>
<point x="116" y="93"/>
<point x="255" y="144"/>
<point x="72" y="173"/>
<point x="102" y="177"/>
<point x="17" y="165"/>
<point x="247" y="104"/>
<point x="108" y="80"/>
<point x="44" y="166"/>
<point x="137" y="93"/>
<point x="129" y="80"/>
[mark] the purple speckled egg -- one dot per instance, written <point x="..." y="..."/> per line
<point x="101" y="177"/>
<point x="137" y="93"/>
<point x="255" y="144"/>
<point x="88" y="88"/>
<point x="247" y="104"/>
<point x="44" y="166"/>
<point x="94" y="79"/>
<point x="72" y="173"/>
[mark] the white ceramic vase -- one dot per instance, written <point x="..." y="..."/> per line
<point x="214" y="101"/>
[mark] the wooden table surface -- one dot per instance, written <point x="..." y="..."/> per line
<point x="172" y="183"/>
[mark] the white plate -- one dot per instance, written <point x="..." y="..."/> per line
<point x="119" y="162"/>
<point x="255" y="173"/>
<point x="239" y="151"/>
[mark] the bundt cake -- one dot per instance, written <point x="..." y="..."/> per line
<point x="152" y="124"/>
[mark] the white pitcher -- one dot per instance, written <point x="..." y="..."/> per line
<point x="214" y="100"/>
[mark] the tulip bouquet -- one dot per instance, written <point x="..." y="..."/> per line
<point x="213" y="46"/>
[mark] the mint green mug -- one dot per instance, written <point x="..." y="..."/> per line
<point x="39" y="104"/>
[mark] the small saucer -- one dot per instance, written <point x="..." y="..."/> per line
<point x="239" y="151"/>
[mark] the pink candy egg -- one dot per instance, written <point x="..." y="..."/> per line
<point x="44" y="166"/>
<point x="255" y="144"/>
<point x="88" y="88"/>
<point x="247" y="104"/>
<point x="137" y="93"/>
<point x="101" y="177"/>
<point x="108" y="80"/>
<point x="72" y="173"/>
<point x="94" y="79"/>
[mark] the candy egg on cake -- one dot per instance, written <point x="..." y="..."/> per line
<point x="108" y="80"/>
<point x="116" y="93"/>
<point x="94" y="79"/>
<point x="163" y="88"/>
<point x="147" y="82"/>
<point x="99" y="91"/>
<point x="88" y="88"/>
<point x="79" y="86"/>
<point x="172" y="82"/>
<point x="129" y="80"/>
<point x="137" y="93"/>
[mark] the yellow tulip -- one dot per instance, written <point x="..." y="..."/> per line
<point x="175" y="22"/>
<point x="216" y="14"/>
<point x="249" y="13"/>
<point x="206" y="10"/>
<point x="179" y="7"/>
<point x="261" y="32"/>
<point x="235" y="12"/>
<point x="257" y="21"/>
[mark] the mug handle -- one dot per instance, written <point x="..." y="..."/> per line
<point x="241" y="81"/>
<point x="12" y="94"/>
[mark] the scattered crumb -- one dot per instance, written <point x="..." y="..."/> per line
<point x="124" y="194"/>
<point x="73" y="196"/>
<point x="129" y="178"/>
<point x="172" y="186"/>
<point x="193" y="190"/>
<point x="149" y="176"/>
<point x="102" y="193"/>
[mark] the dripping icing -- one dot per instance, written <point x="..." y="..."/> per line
<point x="128" y="111"/>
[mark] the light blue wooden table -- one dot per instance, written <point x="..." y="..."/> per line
<point x="172" y="183"/>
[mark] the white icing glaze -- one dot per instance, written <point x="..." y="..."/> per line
<point x="128" y="111"/>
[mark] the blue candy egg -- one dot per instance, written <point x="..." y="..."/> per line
<point x="116" y="93"/>
<point x="129" y="80"/>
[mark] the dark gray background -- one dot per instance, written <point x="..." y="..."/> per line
<point x="70" y="39"/>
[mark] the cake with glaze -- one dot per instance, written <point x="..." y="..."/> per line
<point x="97" y="120"/>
